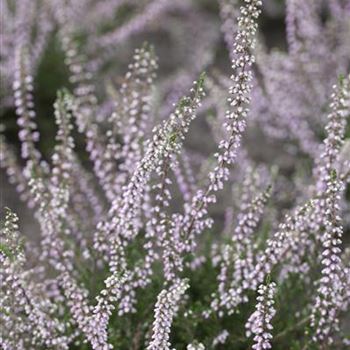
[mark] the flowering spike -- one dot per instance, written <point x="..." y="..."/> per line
<point x="259" y="323"/>
<point x="165" y="310"/>
<point x="329" y="298"/>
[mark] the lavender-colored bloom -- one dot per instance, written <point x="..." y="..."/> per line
<point x="335" y="129"/>
<point x="18" y="297"/>
<point x="165" y="310"/>
<point x="193" y="222"/>
<point x="259" y="323"/>
<point x="9" y="162"/>
<point x="131" y="117"/>
<point x="221" y="338"/>
<point x="23" y="87"/>
<point x="151" y="206"/>
<point x="195" y="346"/>
<point x="238" y="258"/>
<point x="329" y="298"/>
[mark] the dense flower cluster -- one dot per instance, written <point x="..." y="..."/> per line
<point x="259" y="323"/>
<point x="331" y="285"/>
<point x="235" y="123"/>
<point x="166" y="307"/>
<point x="166" y="203"/>
<point x="238" y="260"/>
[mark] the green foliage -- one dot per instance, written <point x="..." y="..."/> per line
<point x="291" y="323"/>
<point x="4" y="249"/>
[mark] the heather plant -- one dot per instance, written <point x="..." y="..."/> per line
<point x="177" y="209"/>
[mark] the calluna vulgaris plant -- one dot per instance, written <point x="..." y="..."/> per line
<point x="143" y="238"/>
